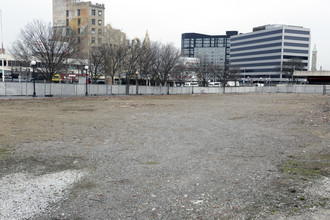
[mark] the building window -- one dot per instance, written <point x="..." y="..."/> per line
<point x="93" y="40"/>
<point x="78" y="30"/>
<point x="93" y="21"/>
<point x="93" y="12"/>
<point x="100" y="22"/>
<point x="79" y="21"/>
<point x="78" y="12"/>
<point x="93" y="30"/>
<point x="67" y="22"/>
<point x="99" y="40"/>
<point x="100" y="31"/>
<point x="296" y="38"/>
<point x="67" y="13"/>
<point x="100" y="13"/>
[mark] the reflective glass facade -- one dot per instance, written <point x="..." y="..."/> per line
<point x="262" y="52"/>
<point x="212" y="48"/>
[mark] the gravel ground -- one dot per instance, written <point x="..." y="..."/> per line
<point x="260" y="156"/>
<point x="25" y="196"/>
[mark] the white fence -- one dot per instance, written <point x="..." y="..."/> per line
<point x="58" y="89"/>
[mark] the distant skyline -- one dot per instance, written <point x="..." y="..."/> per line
<point x="167" y="20"/>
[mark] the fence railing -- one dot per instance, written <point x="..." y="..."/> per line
<point x="58" y="89"/>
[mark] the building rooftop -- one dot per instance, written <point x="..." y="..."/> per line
<point x="273" y="26"/>
<point x="91" y="3"/>
<point x="192" y="35"/>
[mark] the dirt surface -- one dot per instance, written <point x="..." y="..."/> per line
<point x="254" y="156"/>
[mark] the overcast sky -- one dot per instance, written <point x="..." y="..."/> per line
<point x="167" y="20"/>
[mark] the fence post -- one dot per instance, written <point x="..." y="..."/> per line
<point x="61" y="88"/>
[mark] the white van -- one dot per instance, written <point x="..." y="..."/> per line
<point x="214" y="84"/>
<point x="190" y="84"/>
<point x="232" y="83"/>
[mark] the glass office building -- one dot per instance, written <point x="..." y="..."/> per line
<point x="214" y="49"/>
<point x="262" y="53"/>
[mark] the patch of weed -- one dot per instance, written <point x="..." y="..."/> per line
<point x="77" y="110"/>
<point x="152" y="163"/>
<point x="4" y="152"/>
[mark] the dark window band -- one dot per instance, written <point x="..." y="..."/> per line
<point x="257" y="47"/>
<point x="257" y="70"/>
<point x="296" y="32"/>
<point x="295" y="45"/>
<point x="295" y="51"/>
<point x="256" y="53"/>
<point x="295" y="57"/>
<point x="296" y="38"/>
<point x="258" y="64"/>
<point x="256" y="58"/>
<point x="257" y="41"/>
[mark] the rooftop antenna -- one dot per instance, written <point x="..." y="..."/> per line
<point x="2" y="51"/>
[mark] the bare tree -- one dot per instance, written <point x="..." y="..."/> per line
<point x="132" y="61"/>
<point x="155" y="60"/>
<point x="51" y="47"/>
<point x="205" y="71"/>
<point x="181" y="71"/>
<point x="165" y="58"/>
<point x="145" y="62"/>
<point x="225" y="74"/>
<point x="114" y="59"/>
<point x="96" y="61"/>
<point x="290" y="66"/>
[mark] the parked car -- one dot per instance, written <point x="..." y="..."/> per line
<point x="214" y="84"/>
<point x="232" y="83"/>
<point x="259" y="84"/>
<point x="57" y="78"/>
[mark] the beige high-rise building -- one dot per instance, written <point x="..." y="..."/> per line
<point x="84" y="19"/>
<point x="114" y="36"/>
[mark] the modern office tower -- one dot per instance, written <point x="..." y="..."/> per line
<point x="262" y="53"/>
<point x="314" y="59"/>
<point x="213" y="49"/>
<point x="84" y="19"/>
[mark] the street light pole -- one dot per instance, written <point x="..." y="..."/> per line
<point x="33" y="65"/>
<point x="86" y="68"/>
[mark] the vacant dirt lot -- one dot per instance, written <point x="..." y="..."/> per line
<point x="166" y="157"/>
